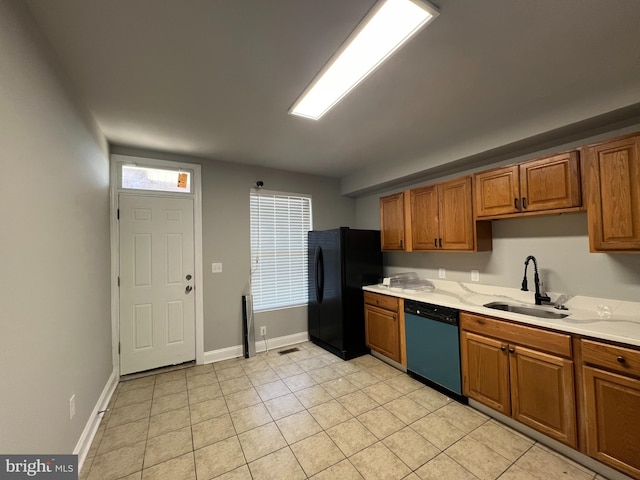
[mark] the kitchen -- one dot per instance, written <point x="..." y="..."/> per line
<point x="560" y="243"/>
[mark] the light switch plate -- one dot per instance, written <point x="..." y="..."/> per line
<point x="216" y="268"/>
<point x="442" y="273"/>
<point x="475" y="276"/>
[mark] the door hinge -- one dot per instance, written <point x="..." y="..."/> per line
<point x="118" y="280"/>
<point x="118" y="348"/>
<point x="118" y="214"/>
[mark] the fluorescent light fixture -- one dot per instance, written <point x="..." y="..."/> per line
<point x="388" y="25"/>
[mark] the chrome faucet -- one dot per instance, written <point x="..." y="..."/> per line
<point x="536" y="279"/>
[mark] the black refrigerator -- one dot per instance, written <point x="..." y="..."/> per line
<point x="341" y="261"/>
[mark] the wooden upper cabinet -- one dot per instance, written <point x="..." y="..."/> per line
<point x="497" y="191"/>
<point x="424" y="218"/>
<point x="392" y="222"/>
<point x="546" y="185"/>
<point x="550" y="183"/>
<point x="613" y="184"/>
<point x="456" y="214"/>
<point x="442" y="216"/>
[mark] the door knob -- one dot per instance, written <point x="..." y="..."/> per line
<point x="188" y="289"/>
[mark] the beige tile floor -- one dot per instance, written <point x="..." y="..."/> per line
<point x="306" y="415"/>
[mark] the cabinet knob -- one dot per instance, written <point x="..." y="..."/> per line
<point x="503" y="348"/>
<point x="377" y="301"/>
<point x="435" y="242"/>
<point x="512" y="350"/>
<point x="401" y="244"/>
<point x="524" y="203"/>
<point x="394" y="317"/>
<point x="515" y="203"/>
<point x="621" y="360"/>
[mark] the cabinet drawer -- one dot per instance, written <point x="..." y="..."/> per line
<point x="620" y="359"/>
<point x="553" y="342"/>
<point x="382" y="301"/>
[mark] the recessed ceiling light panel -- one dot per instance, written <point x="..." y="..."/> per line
<point x="388" y="25"/>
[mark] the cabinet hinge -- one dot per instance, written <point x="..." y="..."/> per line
<point x="118" y="348"/>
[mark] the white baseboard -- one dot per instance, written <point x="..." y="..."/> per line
<point x="90" y="429"/>
<point x="223" y="354"/>
<point x="237" y="351"/>
<point x="280" y="342"/>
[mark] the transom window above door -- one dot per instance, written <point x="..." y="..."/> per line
<point x="139" y="177"/>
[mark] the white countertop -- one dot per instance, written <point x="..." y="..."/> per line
<point x="602" y="318"/>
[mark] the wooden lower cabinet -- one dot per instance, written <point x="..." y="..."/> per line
<point x="532" y="386"/>
<point x="613" y="419"/>
<point x="611" y="378"/>
<point x="543" y="393"/>
<point x="485" y="371"/>
<point x="384" y="330"/>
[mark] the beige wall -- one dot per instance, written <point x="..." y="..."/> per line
<point x="225" y="230"/>
<point x="55" y="325"/>
<point x="560" y="243"/>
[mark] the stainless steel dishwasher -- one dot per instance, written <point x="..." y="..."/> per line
<point x="433" y="346"/>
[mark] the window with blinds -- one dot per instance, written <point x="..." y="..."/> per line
<point x="279" y="226"/>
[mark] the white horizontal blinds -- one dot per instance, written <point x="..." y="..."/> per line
<point x="279" y="226"/>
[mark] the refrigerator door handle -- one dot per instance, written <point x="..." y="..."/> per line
<point x="319" y="272"/>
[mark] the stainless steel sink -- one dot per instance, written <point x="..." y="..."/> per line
<point x="524" y="310"/>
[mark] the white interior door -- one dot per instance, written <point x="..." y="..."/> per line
<point x="157" y="306"/>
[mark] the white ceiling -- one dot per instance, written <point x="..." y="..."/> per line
<point x="215" y="78"/>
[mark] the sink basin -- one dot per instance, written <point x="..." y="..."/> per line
<point x="524" y="310"/>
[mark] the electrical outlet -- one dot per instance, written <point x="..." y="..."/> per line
<point x="72" y="406"/>
<point x="442" y="273"/>
<point x="216" y="268"/>
<point x="263" y="331"/>
<point x="475" y="276"/>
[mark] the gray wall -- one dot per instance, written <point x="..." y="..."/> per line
<point x="560" y="244"/>
<point x="55" y="324"/>
<point x="225" y="230"/>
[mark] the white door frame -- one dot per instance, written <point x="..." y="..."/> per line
<point x="114" y="190"/>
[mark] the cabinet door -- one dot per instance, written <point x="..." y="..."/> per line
<point x="613" y="422"/>
<point x="543" y="393"/>
<point x="456" y="214"/>
<point x="392" y="222"/>
<point x="424" y="218"/>
<point x="550" y="183"/>
<point x="614" y="195"/>
<point x="497" y="191"/>
<point x="485" y="371"/>
<point x="382" y="332"/>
